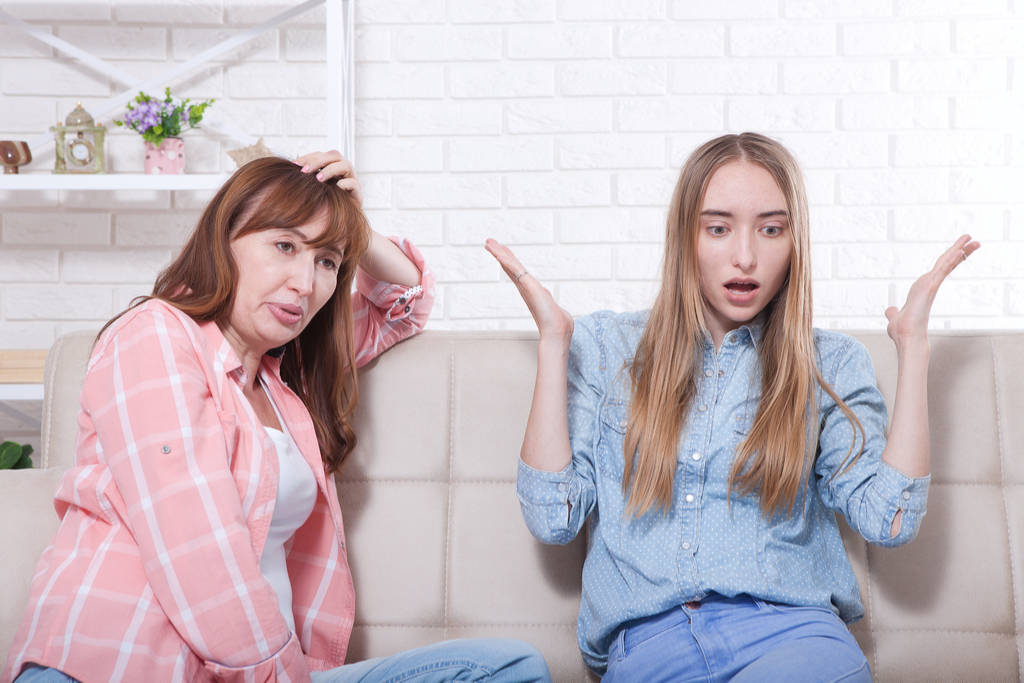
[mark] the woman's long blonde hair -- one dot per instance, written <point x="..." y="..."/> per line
<point x="773" y="459"/>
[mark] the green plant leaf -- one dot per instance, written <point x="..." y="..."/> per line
<point x="25" y="463"/>
<point x="10" y="454"/>
<point x="26" y="449"/>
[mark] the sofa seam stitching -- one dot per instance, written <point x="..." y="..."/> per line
<point x="451" y="449"/>
<point x="45" y="458"/>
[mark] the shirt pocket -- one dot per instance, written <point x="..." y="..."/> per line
<point x="614" y="420"/>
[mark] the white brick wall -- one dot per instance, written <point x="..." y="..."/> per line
<point x="556" y="126"/>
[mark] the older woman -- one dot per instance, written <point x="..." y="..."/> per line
<point x="201" y="538"/>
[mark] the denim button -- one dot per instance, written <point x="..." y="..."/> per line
<point x="689" y="498"/>
<point x="733" y="338"/>
<point x="906" y="495"/>
<point x="696" y="456"/>
<point x="561" y="487"/>
<point x="702" y="408"/>
<point x="686" y="546"/>
<point x="624" y="424"/>
<point x="709" y="372"/>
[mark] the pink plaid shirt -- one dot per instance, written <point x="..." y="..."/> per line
<point x="154" y="572"/>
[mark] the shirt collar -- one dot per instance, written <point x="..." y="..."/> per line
<point x="229" y="360"/>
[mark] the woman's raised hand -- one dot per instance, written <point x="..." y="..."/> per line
<point x="329" y="165"/>
<point x="552" y="320"/>
<point x="911" y="321"/>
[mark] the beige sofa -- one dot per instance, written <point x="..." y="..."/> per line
<point x="439" y="550"/>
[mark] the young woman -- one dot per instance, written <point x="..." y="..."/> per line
<point x="710" y="440"/>
<point x="201" y="537"/>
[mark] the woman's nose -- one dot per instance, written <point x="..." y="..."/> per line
<point x="744" y="256"/>
<point x="302" y="276"/>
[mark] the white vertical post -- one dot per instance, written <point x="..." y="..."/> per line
<point x="337" y="44"/>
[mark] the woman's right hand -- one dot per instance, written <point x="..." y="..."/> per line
<point x="552" y="320"/>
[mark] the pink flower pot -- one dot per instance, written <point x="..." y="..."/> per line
<point x="169" y="157"/>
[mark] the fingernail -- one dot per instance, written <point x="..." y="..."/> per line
<point x="319" y="176"/>
<point x="305" y="169"/>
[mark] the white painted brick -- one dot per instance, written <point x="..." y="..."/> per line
<point x="122" y="265"/>
<point x="160" y="11"/>
<point x="671" y="114"/>
<point x="400" y="12"/>
<point x="199" y="84"/>
<point x="782" y="39"/>
<point x="377" y="191"/>
<point x="1002" y="37"/>
<point x="482" y="301"/>
<point x="581" y="298"/>
<point x="835" y="224"/>
<point x="571" y="262"/>
<point x="613" y="10"/>
<point x="163" y="229"/>
<point x="45" y="77"/>
<point x="115" y="199"/>
<point x="30" y="115"/>
<point x="556" y="41"/>
<point x="501" y="80"/>
<point x="28" y="265"/>
<point x="126" y="154"/>
<point x="562" y="189"/>
<point x="423" y="228"/>
<point x="462" y="264"/>
<point x="29" y="198"/>
<point x="1015" y="298"/>
<point x="988" y="112"/>
<point x="836" y="9"/>
<point x="613" y="224"/>
<point x="192" y="200"/>
<point x="27" y="336"/>
<point x="1001" y="322"/>
<point x="305" y="45"/>
<point x="399" y="154"/>
<point x="950" y="148"/>
<point x="16" y="43"/>
<point x="263" y="117"/>
<point x="945" y="223"/>
<point x="781" y="114"/>
<point x="889" y="38"/>
<point x="560" y="117"/>
<point x="820" y="186"/>
<point x="257" y="11"/>
<point x="504" y="154"/>
<point x="118" y="42"/>
<point x="894" y="186"/>
<point x="944" y="8"/>
<point x="995" y="262"/>
<point x="280" y="81"/>
<point x="840" y="77"/>
<point x="186" y="43"/>
<point x="448" y="191"/>
<point x="962" y="298"/>
<point x="837" y="150"/>
<point x="448" y="118"/>
<point x="638" y="262"/>
<point x="899" y="112"/>
<point x="646" y="189"/>
<point x="671" y="40"/>
<point x="724" y="77"/>
<point x="685" y="144"/>
<point x="57" y="302"/>
<point x="448" y="43"/>
<point x="56" y="228"/>
<point x="372" y="44"/>
<point x="884" y="261"/>
<point x="507" y="226"/>
<point x="612" y="151"/>
<point x="1016" y="229"/>
<point x="61" y="10"/>
<point x="951" y="75"/>
<point x="125" y="294"/>
<point x="303" y="118"/>
<point x="875" y="322"/>
<point x="987" y="185"/>
<point x="501" y="11"/>
<point x="391" y="81"/>
<point x="373" y="119"/>
<point x="850" y="298"/>
<point x="744" y="10"/>
<point x="617" y="78"/>
<point x="821" y="262"/>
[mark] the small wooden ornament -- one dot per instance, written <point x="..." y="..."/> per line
<point x="247" y="154"/>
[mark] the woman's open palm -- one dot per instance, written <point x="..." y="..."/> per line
<point x="551" y="318"/>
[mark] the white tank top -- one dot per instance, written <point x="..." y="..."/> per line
<point x="296" y="496"/>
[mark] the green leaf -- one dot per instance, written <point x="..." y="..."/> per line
<point x="24" y="464"/>
<point x="10" y="454"/>
<point x="26" y="449"/>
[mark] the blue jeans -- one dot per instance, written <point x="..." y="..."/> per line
<point x="740" y="640"/>
<point x="491" y="660"/>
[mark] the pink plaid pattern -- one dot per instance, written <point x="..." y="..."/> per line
<point x="154" y="572"/>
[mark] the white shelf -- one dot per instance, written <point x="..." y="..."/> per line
<point x="111" y="181"/>
<point x="21" y="392"/>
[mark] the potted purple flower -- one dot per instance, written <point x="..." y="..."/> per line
<point x="160" y="123"/>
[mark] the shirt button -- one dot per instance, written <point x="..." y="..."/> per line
<point x="624" y="424"/>
<point x="407" y="309"/>
<point x="709" y="372"/>
<point x="686" y="546"/>
<point x="401" y="300"/>
<point x="702" y="408"/>
<point x="906" y="495"/>
<point x="732" y="338"/>
<point x="721" y="373"/>
<point x="561" y="487"/>
<point x="165" y="449"/>
<point x="689" y="497"/>
<point x="696" y="456"/>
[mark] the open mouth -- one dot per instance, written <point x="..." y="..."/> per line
<point x="741" y="287"/>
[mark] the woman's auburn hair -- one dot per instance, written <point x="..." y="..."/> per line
<point x="318" y="365"/>
<point x="774" y="458"/>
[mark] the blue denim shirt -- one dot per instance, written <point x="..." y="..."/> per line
<point x="638" y="567"/>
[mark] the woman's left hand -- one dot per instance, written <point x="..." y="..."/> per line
<point x="328" y="165"/>
<point x="911" y="321"/>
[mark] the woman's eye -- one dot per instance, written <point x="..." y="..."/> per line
<point x="717" y="229"/>
<point x="286" y="247"/>
<point x="329" y="263"/>
<point x="772" y="230"/>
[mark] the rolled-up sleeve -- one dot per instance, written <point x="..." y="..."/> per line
<point x="870" y="492"/>
<point x="385" y="313"/>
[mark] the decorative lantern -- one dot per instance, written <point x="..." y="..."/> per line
<point x="82" y="152"/>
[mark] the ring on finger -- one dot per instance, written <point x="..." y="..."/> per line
<point x="964" y="254"/>
<point x="521" y="273"/>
